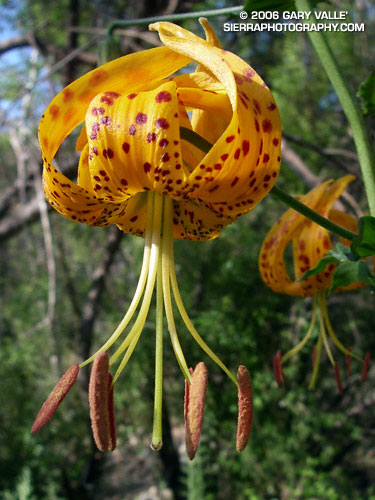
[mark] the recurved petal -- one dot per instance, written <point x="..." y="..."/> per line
<point x="250" y="144"/>
<point x="131" y="73"/>
<point x="134" y="143"/>
<point x="271" y="258"/>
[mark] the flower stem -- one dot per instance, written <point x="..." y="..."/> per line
<point x="348" y="103"/>
<point x="156" y="442"/>
<point x="174" y="17"/>
<point x="311" y="214"/>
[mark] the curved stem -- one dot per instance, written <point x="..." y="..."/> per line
<point x="174" y="17"/>
<point x="348" y="103"/>
<point x="311" y="214"/>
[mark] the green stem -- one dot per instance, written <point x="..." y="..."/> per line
<point x="174" y="17"/>
<point x="348" y="103"/>
<point x="201" y="143"/>
<point x="311" y="214"/>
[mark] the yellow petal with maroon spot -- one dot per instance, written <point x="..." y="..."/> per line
<point x="134" y="143"/>
<point x="250" y="144"/>
<point x="130" y="73"/>
<point x="133" y="216"/>
<point x="70" y="200"/>
<point x="314" y="242"/>
<point x="271" y="258"/>
<point x="194" y="220"/>
<point x="84" y="176"/>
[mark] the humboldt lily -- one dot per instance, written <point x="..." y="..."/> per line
<point x="138" y="171"/>
<point x="310" y="243"/>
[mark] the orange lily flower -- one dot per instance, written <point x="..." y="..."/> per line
<point x="137" y="171"/>
<point x="310" y="244"/>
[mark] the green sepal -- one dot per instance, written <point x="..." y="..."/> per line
<point x="352" y="272"/>
<point x="366" y="93"/>
<point x="364" y="244"/>
<point x="109" y="49"/>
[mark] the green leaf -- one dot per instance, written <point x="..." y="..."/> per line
<point x="364" y="244"/>
<point x="366" y="93"/>
<point x="340" y="253"/>
<point x="352" y="272"/>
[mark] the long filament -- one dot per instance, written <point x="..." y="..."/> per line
<point x="134" y="334"/>
<point x="191" y="328"/>
<point x="305" y="339"/>
<point x="167" y="264"/>
<point x="139" y="290"/>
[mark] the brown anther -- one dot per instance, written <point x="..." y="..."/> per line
<point x="366" y="364"/>
<point x="195" y="394"/>
<point x="278" y="369"/>
<point x="55" y="398"/>
<point x="348" y="363"/>
<point x="245" y="407"/>
<point x="338" y="379"/>
<point x="99" y="401"/>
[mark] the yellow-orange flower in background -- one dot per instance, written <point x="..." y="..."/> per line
<point x="138" y="172"/>
<point x="310" y="243"/>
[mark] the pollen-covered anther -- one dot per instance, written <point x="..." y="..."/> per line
<point x="338" y="379"/>
<point x="365" y="368"/>
<point x="278" y="368"/>
<point x="55" y="398"/>
<point x="195" y="394"/>
<point x="245" y="407"/>
<point x="99" y="401"/>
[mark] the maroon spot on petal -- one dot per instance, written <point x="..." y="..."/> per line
<point x="237" y="154"/>
<point x="266" y="125"/>
<point x="271" y="106"/>
<point x="163" y="143"/>
<point x="132" y="130"/>
<point x="238" y="79"/>
<point x="54" y="111"/>
<point x="151" y="136"/>
<point x="126" y="147"/>
<point x="124" y="182"/>
<point x="257" y="106"/>
<point x="230" y="138"/>
<point x="97" y="111"/>
<point x="224" y="156"/>
<point x="108" y="153"/>
<point x="266" y="157"/>
<point x="141" y="118"/>
<point x="218" y="166"/>
<point x="107" y="100"/>
<point x="245" y="147"/>
<point x="275" y="141"/>
<point x="163" y="96"/>
<point x="147" y="167"/>
<point x="106" y="120"/>
<point x="234" y="182"/>
<point x="133" y="219"/>
<point x="248" y="73"/>
<point x="176" y="155"/>
<point x="132" y="96"/>
<point x="162" y="123"/>
<point x="165" y="157"/>
<point x="257" y="128"/>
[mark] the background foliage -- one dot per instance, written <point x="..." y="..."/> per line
<point x="64" y="287"/>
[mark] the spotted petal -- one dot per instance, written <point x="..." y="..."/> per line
<point x="243" y="165"/>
